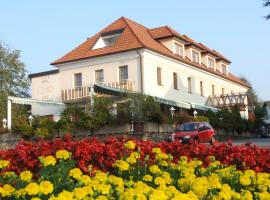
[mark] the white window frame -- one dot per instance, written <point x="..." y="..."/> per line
<point x="97" y="70"/>
<point x="179" y="44"/>
<point x="74" y="82"/>
<point x="214" y="61"/>
<point x="119" y="78"/>
<point x="199" y="53"/>
<point x="226" y="70"/>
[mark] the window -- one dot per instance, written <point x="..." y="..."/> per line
<point x="223" y="91"/>
<point x="77" y="80"/>
<point x="223" y="69"/>
<point x="99" y="75"/>
<point x="201" y="88"/>
<point x="211" y="63"/>
<point x="179" y="49"/>
<point x="159" y="81"/>
<point x="175" y="84"/>
<point x="195" y="56"/>
<point x="189" y="85"/>
<point x="213" y="90"/>
<point x="110" y="40"/>
<point x="123" y="73"/>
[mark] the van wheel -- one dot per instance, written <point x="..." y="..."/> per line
<point x="213" y="140"/>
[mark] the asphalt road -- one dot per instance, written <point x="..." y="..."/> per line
<point x="262" y="142"/>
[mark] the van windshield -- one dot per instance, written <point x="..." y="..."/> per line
<point x="188" y="127"/>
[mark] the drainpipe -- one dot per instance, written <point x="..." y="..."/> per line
<point x="141" y="70"/>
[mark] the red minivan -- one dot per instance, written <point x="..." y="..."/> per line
<point x="194" y="131"/>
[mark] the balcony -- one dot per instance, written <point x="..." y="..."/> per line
<point x="75" y="94"/>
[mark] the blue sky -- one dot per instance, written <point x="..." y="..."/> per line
<point x="46" y="30"/>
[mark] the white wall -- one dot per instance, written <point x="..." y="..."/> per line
<point x="169" y="66"/>
<point x="110" y="65"/>
<point x="46" y="87"/>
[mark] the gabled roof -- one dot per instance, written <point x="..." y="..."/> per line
<point x="136" y="36"/>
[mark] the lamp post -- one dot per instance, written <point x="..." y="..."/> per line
<point x="30" y="118"/>
<point x="132" y="106"/>
<point x="92" y="101"/>
<point x="172" y="109"/>
<point x="4" y="123"/>
<point x="195" y="113"/>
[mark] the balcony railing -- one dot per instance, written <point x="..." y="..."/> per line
<point x="83" y="92"/>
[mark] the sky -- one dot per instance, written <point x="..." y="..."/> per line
<point x="46" y="30"/>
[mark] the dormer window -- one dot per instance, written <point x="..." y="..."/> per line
<point x="223" y="68"/>
<point x="211" y="63"/>
<point x="179" y="49"/>
<point x="108" y="39"/>
<point x="195" y="56"/>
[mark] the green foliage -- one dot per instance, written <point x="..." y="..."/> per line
<point x="22" y="126"/>
<point x="182" y="117"/>
<point x="101" y="114"/>
<point x="266" y="3"/>
<point x="13" y="78"/>
<point x="145" y="109"/>
<point x="201" y="119"/>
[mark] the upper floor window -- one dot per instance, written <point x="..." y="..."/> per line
<point x="123" y="73"/>
<point x="99" y="75"/>
<point x="175" y="81"/>
<point x="223" y="91"/>
<point x="195" y="56"/>
<point x="211" y="63"/>
<point x="159" y="80"/>
<point x="78" y="80"/>
<point x="108" y="39"/>
<point x="201" y="88"/>
<point x="223" y="69"/>
<point x="189" y="85"/>
<point x="179" y="49"/>
<point x="213" y="90"/>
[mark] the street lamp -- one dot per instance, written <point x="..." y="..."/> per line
<point x="132" y="106"/>
<point x="4" y="123"/>
<point x="195" y="113"/>
<point x="30" y="118"/>
<point x="92" y="101"/>
<point x="172" y="109"/>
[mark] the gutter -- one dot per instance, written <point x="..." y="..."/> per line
<point x="141" y="70"/>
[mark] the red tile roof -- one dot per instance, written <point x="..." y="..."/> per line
<point x="136" y="36"/>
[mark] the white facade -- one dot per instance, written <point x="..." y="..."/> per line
<point x="49" y="87"/>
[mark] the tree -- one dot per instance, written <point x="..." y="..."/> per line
<point x="251" y="92"/>
<point x="13" y="78"/>
<point x="266" y="3"/>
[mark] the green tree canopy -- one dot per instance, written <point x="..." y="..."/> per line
<point x="13" y="77"/>
<point x="266" y="3"/>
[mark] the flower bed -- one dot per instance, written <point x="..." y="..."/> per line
<point x="131" y="170"/>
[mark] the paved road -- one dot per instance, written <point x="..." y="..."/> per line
<point x="262" y="142"/>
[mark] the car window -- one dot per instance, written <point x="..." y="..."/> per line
<point x="188" y="127"/>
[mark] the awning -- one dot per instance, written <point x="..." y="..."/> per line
<point x="173" y="103"/>
<point x="203" y="107"/>
<point x="27" y="101"/>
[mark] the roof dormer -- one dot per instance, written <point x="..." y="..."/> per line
<point x="108" y="39"/>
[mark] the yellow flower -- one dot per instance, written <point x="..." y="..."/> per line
<point x="35" y="198"/>
<point x="154" y="169"/>
<point x="46" y="187"/>
<point x="26" y="176"/>
<point x="65" y="195"/>
<point x="156" y="150"/>
<point x="148" y="178"/>
<point x="6" y="190"/>
<point x="80" y="193"/>
<point x="131" y="160"/>
<point x="130" y="145"/>
<point x="245" y="180"/>
<point x="62" y="154"/>
<point x="158" y="195"/>
<point x="86" y="179"/>
<point x="48" y="160"/>
<point x="75" y="173"/>
<point x="121" y="165"/>
<point x="4" y="163"/>
<point x="9" y="174"/>
<point x="32" y="189"/>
